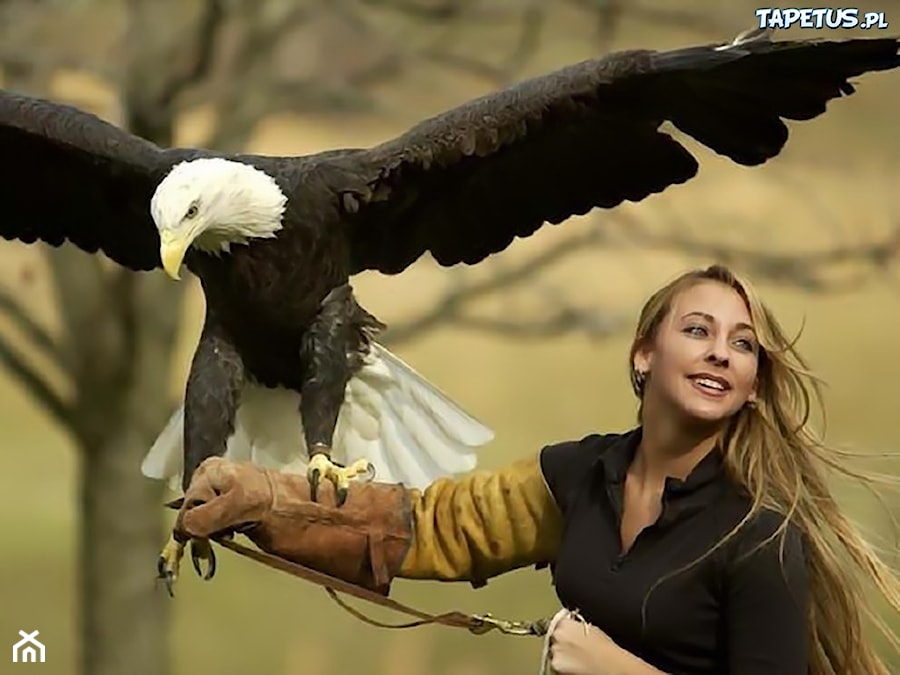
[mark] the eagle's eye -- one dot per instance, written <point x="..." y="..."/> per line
<point x="191" y="212"/>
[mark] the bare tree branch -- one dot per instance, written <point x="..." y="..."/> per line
<point x="595" y="324"/>
<point x="204" y="40"/>
<point x="36" y="334"/>
<point x="252" y="92"/>
<point x="35" y="384"/>
<point x="424" y="10"/>
<point x="255" y="92"/>
<point x="531" y="19"/>
<point x="805" y="270"/>
<point x="611" y="12"/>
<point x="449" y="306"/>
<point x="12" y="56"/>
<point x="697" y="20"/>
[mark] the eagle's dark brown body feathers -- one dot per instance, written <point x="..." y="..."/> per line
<point x="460" y="186"/>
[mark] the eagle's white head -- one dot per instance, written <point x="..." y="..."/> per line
<point x="212" y="203"/>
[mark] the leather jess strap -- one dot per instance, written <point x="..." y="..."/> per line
<point x="474" y="623"/>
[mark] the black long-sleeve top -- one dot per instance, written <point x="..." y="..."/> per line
<point x="740" y="611"/>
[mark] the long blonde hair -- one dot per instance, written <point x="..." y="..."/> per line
<point x="771" y="451"/>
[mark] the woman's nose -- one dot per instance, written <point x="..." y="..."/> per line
<point x="718" y="356"/>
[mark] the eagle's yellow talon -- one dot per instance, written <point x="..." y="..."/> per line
<point x="321" y="467"/>
<point x="169" y="563"/>
<point x="201" y="549"/>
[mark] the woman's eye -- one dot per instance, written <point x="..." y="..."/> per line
<point x="746" y="344"/>
<point x="695" y="330"/>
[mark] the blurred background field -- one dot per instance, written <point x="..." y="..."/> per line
<point x="808" y="228"/>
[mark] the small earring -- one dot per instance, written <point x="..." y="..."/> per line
<point x="640" y="379"/>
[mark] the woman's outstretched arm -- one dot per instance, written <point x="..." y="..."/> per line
<point x="457" y="529"/>
<point x="482" y="525"/>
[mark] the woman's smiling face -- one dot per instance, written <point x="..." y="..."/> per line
<point x="702" y="363"/>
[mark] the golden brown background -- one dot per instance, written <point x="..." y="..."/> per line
<point x="834" y="187"/>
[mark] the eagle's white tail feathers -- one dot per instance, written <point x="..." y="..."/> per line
<point x="163" y="460"/>
<point x="392" y="416"/>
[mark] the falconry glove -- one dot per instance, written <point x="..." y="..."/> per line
<point x="362" y="542"/>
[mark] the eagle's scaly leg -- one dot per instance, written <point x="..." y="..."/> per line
<point x="331" y="349"/>
<point x="212" y="397"/>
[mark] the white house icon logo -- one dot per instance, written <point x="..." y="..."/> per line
<point x="28" y="649"/>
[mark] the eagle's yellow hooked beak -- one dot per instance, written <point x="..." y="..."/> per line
<point x="171" y="250"/>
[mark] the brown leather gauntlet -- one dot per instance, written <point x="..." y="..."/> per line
<point x="362" y="542"/>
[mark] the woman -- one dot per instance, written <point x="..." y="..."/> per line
<point x="703" y="541"/>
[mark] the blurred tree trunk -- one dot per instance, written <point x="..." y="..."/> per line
<point x="121" y="332"/>
<point x="121" y="329"/>
<point x="119" y="336"/>
<point x="124" y="616"/>
<point x="124" y="401"/>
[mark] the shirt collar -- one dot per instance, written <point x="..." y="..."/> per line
<point x="612" y="465"/>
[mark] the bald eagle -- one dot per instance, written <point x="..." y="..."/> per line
<point x="287" y="366"/>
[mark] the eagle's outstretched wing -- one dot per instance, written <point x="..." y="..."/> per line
<point x="464" y="184"/>
<point x="65" y="174"/>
